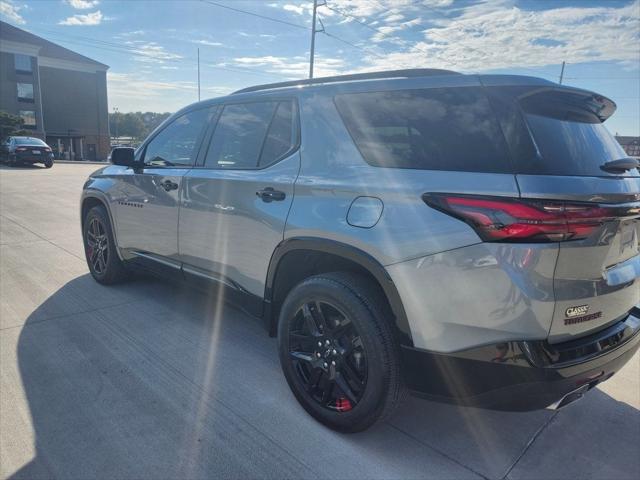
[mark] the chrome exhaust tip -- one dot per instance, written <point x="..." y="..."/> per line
<point x="570" y="397"/>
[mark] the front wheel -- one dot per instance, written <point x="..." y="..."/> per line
<point x="337" y="351"/>
<point x="100" y="248"/>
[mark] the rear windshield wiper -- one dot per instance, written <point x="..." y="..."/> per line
<point x="620" y="165"/>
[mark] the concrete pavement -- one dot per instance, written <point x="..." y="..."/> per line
<point x="150" y="380"/>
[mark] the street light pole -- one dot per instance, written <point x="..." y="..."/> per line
<point x="313" y="38"/>
<point x="115" y="121"/>
<point x="198" y="74"/>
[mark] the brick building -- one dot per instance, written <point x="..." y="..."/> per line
<point x="60" y="95"/>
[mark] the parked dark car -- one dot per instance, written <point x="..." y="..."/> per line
<point x="21" y="150"/>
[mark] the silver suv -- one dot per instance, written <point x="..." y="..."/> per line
<point x="468" y="238"/>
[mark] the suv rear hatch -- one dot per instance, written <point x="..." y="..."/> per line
<point x="568" y="163"/>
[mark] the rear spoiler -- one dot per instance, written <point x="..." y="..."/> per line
<point x="565" y="102"/>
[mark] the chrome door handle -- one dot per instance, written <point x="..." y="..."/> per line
<point x="269" y="195"/>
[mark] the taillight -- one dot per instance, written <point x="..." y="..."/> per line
<point x="47" y="149"/>
<point x="21" y="149"/>
<point x="498" y="219"/>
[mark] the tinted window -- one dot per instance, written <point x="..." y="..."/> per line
<point x="280" y="138"/>
<point x="176" y="144"/>
<point x="431" y="129"/>
<point x="570" y="137"/>
<point x="28" y="141"/>
<point x="572" y="148"/>
<point x="239" y="135"/>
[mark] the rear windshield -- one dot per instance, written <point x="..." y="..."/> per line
<point x="565" y="131"/>
<point x="573" y="148"/>
<point x="28" y="141"/>
<point x="431" y="129"/>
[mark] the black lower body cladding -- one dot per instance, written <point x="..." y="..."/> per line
<point x="521" y="376"/>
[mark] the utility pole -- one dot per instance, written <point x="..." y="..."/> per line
<point x="198" y="74"/>
<point x="313" y="38"/>
<point x="561" y="74"/>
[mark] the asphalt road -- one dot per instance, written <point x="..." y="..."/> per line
<point x="149" y="380"/>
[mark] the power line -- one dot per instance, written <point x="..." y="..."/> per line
<point x="264" y="17"/>
<point x="364" y="49"/>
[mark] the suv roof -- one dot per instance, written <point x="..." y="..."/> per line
<point x="408" y="73"/>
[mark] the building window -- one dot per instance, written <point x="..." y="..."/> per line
<point x="25" y="92"/>
<point x="23" y="63"/>
<point x="28" y="118"/>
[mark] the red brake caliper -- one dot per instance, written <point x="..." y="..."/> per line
<point x="343" y="404"/>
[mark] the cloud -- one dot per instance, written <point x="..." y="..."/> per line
<point x="83" y="4"/>
<point x="12" y="12"/>
<point x="300" y="10"/>
<point x="94" y="18"/>
<point x="208" y="43"/>
<point x="494" y="34"/>
<point x="135" y="92"/>
<point x="294" y="67"/>
<point x="150" y="52"/>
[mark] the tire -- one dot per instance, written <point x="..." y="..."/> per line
<point x="372" y="369"/>
<point x="48" y="164"/>
<point x="105" y="265"/>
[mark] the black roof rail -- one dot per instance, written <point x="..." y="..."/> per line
<point x="408" y="73"/>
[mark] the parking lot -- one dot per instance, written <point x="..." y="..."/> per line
<point x="150" y="380"/>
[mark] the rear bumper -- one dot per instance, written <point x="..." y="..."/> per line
<point x="521" y="376"/>
<point x="30" y="158"/>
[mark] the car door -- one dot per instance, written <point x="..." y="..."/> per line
<point x="147" y="199"/>
<point x="235" y="205"/>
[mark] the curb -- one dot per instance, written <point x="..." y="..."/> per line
<point x="81" y="162"/>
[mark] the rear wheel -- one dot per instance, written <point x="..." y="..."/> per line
<point x="48" y="164"/>
<point x="337" y="351"/>
<point x="100" y="249"/>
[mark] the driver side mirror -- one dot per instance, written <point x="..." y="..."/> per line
<point x="124" y="156"/>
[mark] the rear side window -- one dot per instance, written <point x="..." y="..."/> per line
<point x="251" y="135"/>
<point x="431" y="129"/>
<point x="280" y="137"/>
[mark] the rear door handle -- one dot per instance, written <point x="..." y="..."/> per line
<point x="269" y="195"/>
<point x="168" y="185"/>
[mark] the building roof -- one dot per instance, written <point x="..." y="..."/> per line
<point x="47" y="49"/>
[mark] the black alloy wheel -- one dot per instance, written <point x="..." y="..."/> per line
<point x="100" y="248"/>
<point x="97" y="246"/>
<point x="328" y="355"/>
<point x="338" y="352"/>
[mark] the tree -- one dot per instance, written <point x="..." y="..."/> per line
<point x="136" y="125"/>
<point x="10" y="126"/>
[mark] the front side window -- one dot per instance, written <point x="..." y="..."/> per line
<point x="23" y="63"/>
<point x="177" y="144"/>
<point x="25" y="91"/>
<point x="28" y="118"/>
<point x="432" y="129"/>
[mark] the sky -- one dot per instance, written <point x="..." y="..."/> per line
<point x="152" y="46"/>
